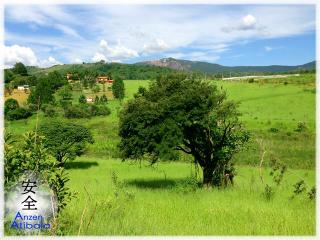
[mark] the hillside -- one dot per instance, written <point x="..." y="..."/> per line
<point x="212" y="68"/>
<point x="128" y="71"/>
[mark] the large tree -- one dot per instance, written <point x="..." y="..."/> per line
<point x="180" y="112"/>
<point x="65" y="140"/>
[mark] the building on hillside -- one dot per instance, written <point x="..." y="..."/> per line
<point x="89" y="99"/>
<point x="104" y="79"/>
<point x="23" y="87"/>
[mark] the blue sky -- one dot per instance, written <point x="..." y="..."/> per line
<point x="231" y="35"/>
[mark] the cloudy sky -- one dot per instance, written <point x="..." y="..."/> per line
<point x="225" y="34"/>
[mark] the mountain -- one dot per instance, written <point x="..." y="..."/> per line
<point x="212" y="68"/>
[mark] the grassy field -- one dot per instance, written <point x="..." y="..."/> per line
<point x="158" y="201"/>
<point x="163" y="200"/>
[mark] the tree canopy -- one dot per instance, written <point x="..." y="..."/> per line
<point x="65" y="140"/>
<point x="180" y="112"/>
<point x="118" y="87"/>
<point x="19" y="68"/>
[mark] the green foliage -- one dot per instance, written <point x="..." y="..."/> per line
<point x="42" y="93"/>
<point x="19" y="68"/>
<point x="179" y="112"/>
<point x="86" y="110"/>
<point x="19" y="113"/>
<point x="268" y="192"/>
<point x="312" y="193"/>
<point x="301" y="127"/>
<point x="82" y="99"/>
<point x="49" y="110"/>
<point x="10" y="104"/>
<point x="299" y="187"/>
<point x="76" y="111"/>
<point x="103" y="99"/>
<point x="34" y="156"/>
<point x="118" y="87"/>
<point x="58" y="182"/>
<point x="8" y="75"/>
<point x="56" y="80"/>
<point x="95" y="88"/>
<point x="65" y="140"/>
<point x="96" y="100"/>
<point x="65" y="92"/>
<point x="278" y="170"/>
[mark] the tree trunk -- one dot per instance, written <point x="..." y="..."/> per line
<point x="207" y="176"/>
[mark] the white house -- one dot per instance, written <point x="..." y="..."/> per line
<point x="23" y="87"/>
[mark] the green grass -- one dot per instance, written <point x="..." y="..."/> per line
<point x="157" y="201"/>
<point x="152" y="202"/>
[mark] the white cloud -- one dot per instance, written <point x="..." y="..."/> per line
<point x="49" y="62"/>
<point x="16" y="53"/>
<point x="249" y="20"/>
<point x="117" y="52"/>
<point x="151" y="29"/>
<point x="98" y="57"/>
<point x="43" y="15"/>
<point x="155" y="46"/>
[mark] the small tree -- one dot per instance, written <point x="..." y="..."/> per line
<point x="65" y="92"/>
<point x="82" y="99"/>
<point x="19" y="68"/>
<point x="179" y="112"/>
<point x="65" y="140"/>
<point x="118" y="88"/>
<point x="43" y="91"/>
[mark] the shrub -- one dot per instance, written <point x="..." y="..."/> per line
<point x="301" y="127"/>
<point x="49" y="110"/>
<point x="268" y="192"/>
<point x="103" y="99"/>
<point x="76" y="111"/>
<point x="100" y="110"/>
<point x="19" y="113"/>
<point x="274" y="130"/>
<point x="251" y="80"/>
<point x="65" y="103"/>
<point x="10" y="104"/>
<point x="82" y="99"/>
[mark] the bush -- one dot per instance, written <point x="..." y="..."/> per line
<point x="32" y="107"/>
<point x="65" y="103"/>
<point x="10" y="104"/>
<point x="76" y="111"/>
<point x="99" y="110"/>
<point x="274" y="130"/>
<point x="19" y="113"/>
<point x="301" y="127"/>
<point x="251" y="80"/>
<point x="86" y="111"/>
<point x="49" y="111"/>
<point x="82" y="99"/>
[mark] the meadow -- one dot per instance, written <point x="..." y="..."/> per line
<point x="128" y="198"/>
